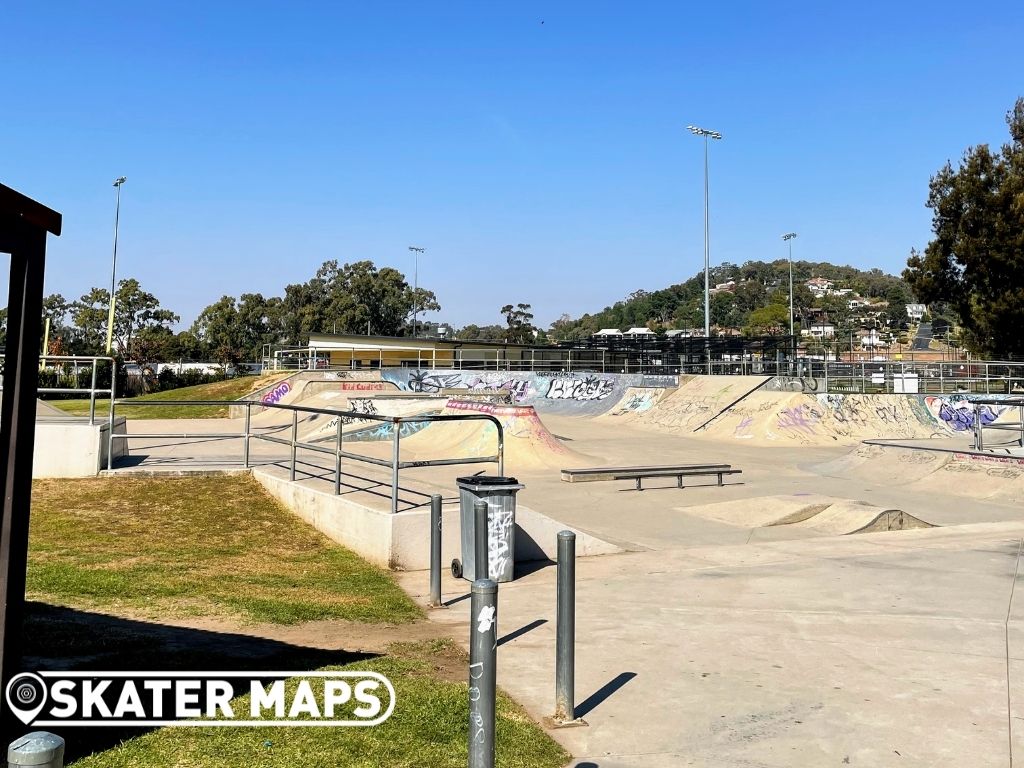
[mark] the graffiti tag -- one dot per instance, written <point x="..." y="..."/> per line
<point x="275" y="395"/>
<point x="590" y="388"/>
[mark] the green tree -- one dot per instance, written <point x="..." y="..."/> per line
<point x="89" y="314"/>
<point x="976" y="259"/>
<point x="136" y="310"/>
<point x="771" y="319"/>
<point x="351" y="298"/>
<point x="520" y="323"/>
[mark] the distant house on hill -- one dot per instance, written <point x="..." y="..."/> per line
<point x="819" y="286"/>
<point x="916" y="311"/>
<point x="639" y="333"/>
<point x="608" y="333"/>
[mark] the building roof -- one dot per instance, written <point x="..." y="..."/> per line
<point x="609" y="332"/>
<point x="640" y="332"/>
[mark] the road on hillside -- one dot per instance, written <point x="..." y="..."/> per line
<point x="923" y="337"/>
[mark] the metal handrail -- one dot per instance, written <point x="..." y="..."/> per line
<point x="395" y="464"/>
<point x="92" y="390"/>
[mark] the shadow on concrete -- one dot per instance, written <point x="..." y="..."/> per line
<point x="677" y="488"/>
<point x="68" y="639"/>
<point x="586" y="706"/>
<point x="521" y="631"/>
<point x="532" y="566"/>
<point x="458" y="599"/>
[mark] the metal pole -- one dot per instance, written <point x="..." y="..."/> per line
<point x="245" y="442"/>
<point x="395" y="460"/>
<point x="483" y="663"/>
<point x="337" y="460"/>
<point x="295" y="437"/>
<point x="435" y="551"/>
<point x="707" y="257"/>
<point x="92" y="394"/>
<point x="110" y="420"/>
<point x="790" y="241"/>
<point x="565" y="622"/>
<point x="113" y="264"/>
<point x="481" y="569"/>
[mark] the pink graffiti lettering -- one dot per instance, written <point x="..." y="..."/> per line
<point x="275" y="395"/>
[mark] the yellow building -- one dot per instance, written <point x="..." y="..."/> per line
<point x="356" y="352"/>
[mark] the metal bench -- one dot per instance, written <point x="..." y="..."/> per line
<point x="640" y="475"/>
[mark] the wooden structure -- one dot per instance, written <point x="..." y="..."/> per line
<point x="24" y="224"/>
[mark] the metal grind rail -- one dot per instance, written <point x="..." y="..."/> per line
<point x="395" y="464"/>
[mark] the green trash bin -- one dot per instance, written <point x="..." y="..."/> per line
<point x="500" y="495"/>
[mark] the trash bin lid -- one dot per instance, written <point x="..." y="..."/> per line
<point x="486" y="480"/>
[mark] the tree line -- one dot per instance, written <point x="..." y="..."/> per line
<point x="342" y="298"/>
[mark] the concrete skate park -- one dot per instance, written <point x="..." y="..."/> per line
<point x="846" y="598"/>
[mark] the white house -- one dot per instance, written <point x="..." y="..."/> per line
<point x="604" y="332"/>
<point x="916" y="311"/>
<point x="823" y="331"/>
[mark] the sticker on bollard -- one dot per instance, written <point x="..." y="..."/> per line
<point x="499" y="493"/>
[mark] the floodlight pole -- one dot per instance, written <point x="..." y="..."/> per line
<point x="788" y="238"/>
<point x="415" y="284"/>
<point x="707" y="134"/>
<point x="113" y="264"/>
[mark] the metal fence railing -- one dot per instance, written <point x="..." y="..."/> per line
<point x="338" y="417"/>
<point x="69" y="370"/>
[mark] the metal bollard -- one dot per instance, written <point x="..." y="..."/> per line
<point x="565" y="628"/>
<point x="480" y="559"/>
<point x="483" y="658"/>
<point x="38" y="749"/>
<point x="435" y="551"/>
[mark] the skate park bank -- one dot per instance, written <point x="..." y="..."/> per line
<point x="788" y="617"/>
<point x="351" y="426"/>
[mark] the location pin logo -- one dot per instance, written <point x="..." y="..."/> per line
<point x="26" y="696"/>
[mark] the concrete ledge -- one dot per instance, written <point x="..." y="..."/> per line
<point x="72" y="447"/>
<point x="402" y="541"/>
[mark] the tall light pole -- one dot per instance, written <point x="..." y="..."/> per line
<point x="789" y="237"/>
<point x="113" y="264"/>
<point x="707" y="134"/>
<point x="415" y="284"/>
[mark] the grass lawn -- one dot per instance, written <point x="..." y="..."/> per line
<point x="206" y="546"/>
<point x="427" y="730"/>
<point x="227" y="390"/>
<point x="111" y="558"/>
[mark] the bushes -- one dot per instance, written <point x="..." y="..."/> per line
<point x="189" y="377"/>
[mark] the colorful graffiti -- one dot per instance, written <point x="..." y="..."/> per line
<point x="275" y="395"/>
<point x="589" y="388"/>
<point x="959" y="414"/>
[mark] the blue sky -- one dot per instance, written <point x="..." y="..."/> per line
<point x="537" y="150"/>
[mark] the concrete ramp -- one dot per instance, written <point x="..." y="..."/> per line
<point x="697" y="401"/>
<point x="808" y="514"/>
<point x="637" y="401"/>
<point x="528" y="442"/>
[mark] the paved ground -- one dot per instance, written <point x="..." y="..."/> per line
<point x="923" y="337"/>
<point x="712" y="644"/>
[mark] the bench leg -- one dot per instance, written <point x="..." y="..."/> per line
<point x="679" y="481"/>
<point x="719" y="479"/>
<point x="638" y="484"/>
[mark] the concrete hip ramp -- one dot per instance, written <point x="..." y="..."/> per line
<point x="808" y="514"/>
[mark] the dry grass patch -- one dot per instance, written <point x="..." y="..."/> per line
<point x="179" y="547"/>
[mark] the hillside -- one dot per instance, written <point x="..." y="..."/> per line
<point x="754" y="298"/>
